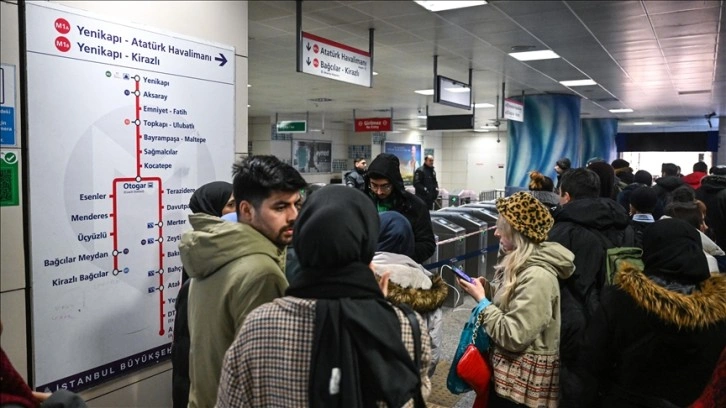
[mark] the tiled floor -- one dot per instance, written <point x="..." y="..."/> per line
<point x="454" y="319"/>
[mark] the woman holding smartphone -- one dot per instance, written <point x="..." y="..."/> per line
<point x="523" y="315"/>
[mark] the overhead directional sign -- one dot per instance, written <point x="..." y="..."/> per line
<point x="373" y="125"/>
<point x="513" y="110"/>
<point x="292" y="126"/>
<point x="333" y="60"/>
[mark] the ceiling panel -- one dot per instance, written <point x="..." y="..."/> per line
<point x="611" y="42"/>
<point x="594" y="11"/>
<point x="670" y="6"/>
<point x="385" y="9"/>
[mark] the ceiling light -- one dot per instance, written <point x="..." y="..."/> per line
<point x="249" y="86"/>
<point x="425" y="91"/>
<point x="488" y="127"/>
<point x="375" y="73"/>
<point x="621" y="110"/>
<point x="534" y="55"/>
<point x="436" y="6"/>
<point x="249" y="106"/>
<point x="422" y="128"/>
<point x="578" y="82"/>
<point x="422" y="117"/>
<point x="457" y="90"/>
<point x="481" y="131"/>
<point x="483" y="105"/>
<point x="642" y="123"/>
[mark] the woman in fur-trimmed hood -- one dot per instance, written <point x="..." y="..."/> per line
<point x="409" y="283"/>
<point x="657" y="335"/>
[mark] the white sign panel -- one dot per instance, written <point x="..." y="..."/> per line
<point x="124" y="123"/>
<point x="333" y="60"/>
<point x="513" y="110"/>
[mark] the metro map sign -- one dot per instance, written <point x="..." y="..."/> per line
<point x="329" y="59"/>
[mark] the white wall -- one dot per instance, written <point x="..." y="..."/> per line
<point x="336" y="133"/>
<point x="223" y="22"/>
<point x="473" y="161"/>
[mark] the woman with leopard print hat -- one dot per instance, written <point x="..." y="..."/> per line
<point x="522" y="316"/>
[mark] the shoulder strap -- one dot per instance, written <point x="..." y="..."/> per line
<point x="416" y="332"/>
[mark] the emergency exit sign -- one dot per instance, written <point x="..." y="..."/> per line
<point x="292" y="126"/>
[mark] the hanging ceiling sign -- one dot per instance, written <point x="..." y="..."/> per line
<point x="513" y="110"/>
<point x="373" y="125"/>
<point x="292" y="126"/>
<point x="333" y="60"/>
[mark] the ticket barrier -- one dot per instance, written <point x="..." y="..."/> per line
<point x="484" y="205"/>
<point x="476" y="240"/>
<point x="461" y="197"/>
<point x="446" y="230"/>
<point x="491" y="240"/>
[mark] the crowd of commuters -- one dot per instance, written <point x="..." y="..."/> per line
<point x="286" y="308"/>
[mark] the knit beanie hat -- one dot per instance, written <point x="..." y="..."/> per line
<point x="526" y="215"/>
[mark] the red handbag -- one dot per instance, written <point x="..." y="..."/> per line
<point x="474" y="368"/>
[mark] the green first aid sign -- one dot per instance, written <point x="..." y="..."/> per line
<point x="9" y="179"/>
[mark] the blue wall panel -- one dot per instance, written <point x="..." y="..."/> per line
<point x="550" y="131"/>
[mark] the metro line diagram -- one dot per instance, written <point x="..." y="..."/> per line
<point x="141" y="183"/>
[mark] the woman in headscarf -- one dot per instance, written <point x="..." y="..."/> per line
<point x="657" y="335"/>
<point x="216" y="199"/>
<point x="333" y="340"/>
<point x="523" y="316"/>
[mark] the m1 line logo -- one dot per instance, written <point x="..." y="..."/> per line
<point x="315" y="62"/>
<point x="62" y="26"/>
<point x="62" y="44"/>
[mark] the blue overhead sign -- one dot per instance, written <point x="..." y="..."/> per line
<point x="7" y="105"/>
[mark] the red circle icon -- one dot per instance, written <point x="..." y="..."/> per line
<point x="62" y="26"/>
<point x="315" y="63"/>
<point x="62" y="44"/>
<point x="316" y="48"/>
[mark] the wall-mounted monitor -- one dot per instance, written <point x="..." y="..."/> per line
<point x="450" y="122"/>
<point x="452" y="92"/>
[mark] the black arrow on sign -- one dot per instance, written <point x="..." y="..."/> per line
<point x="308" y="46"/>
<point x="308" y="61"/>
<point x="222" y="60"/>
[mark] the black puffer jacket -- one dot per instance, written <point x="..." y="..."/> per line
<point x="586" y="227"/>
<point x="647" y="343"/>
<point x="713" y="193"/>
<point x="355" y="178"/>
<point x="413" y="208"/>
<point x="663" y="188"/>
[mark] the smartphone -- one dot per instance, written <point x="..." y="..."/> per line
<point x="462" y="274"/>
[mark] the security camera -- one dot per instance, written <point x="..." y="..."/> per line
<point x="708" y="117"/>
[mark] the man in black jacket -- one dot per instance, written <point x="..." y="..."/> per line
<point x="384" y="185"/>
<point x="713" y="193"/>
<point x="355" y="178"/>
<point x="424" y="181"/>
<point x="586" y="225"/>
<point x="664" y="186"/>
